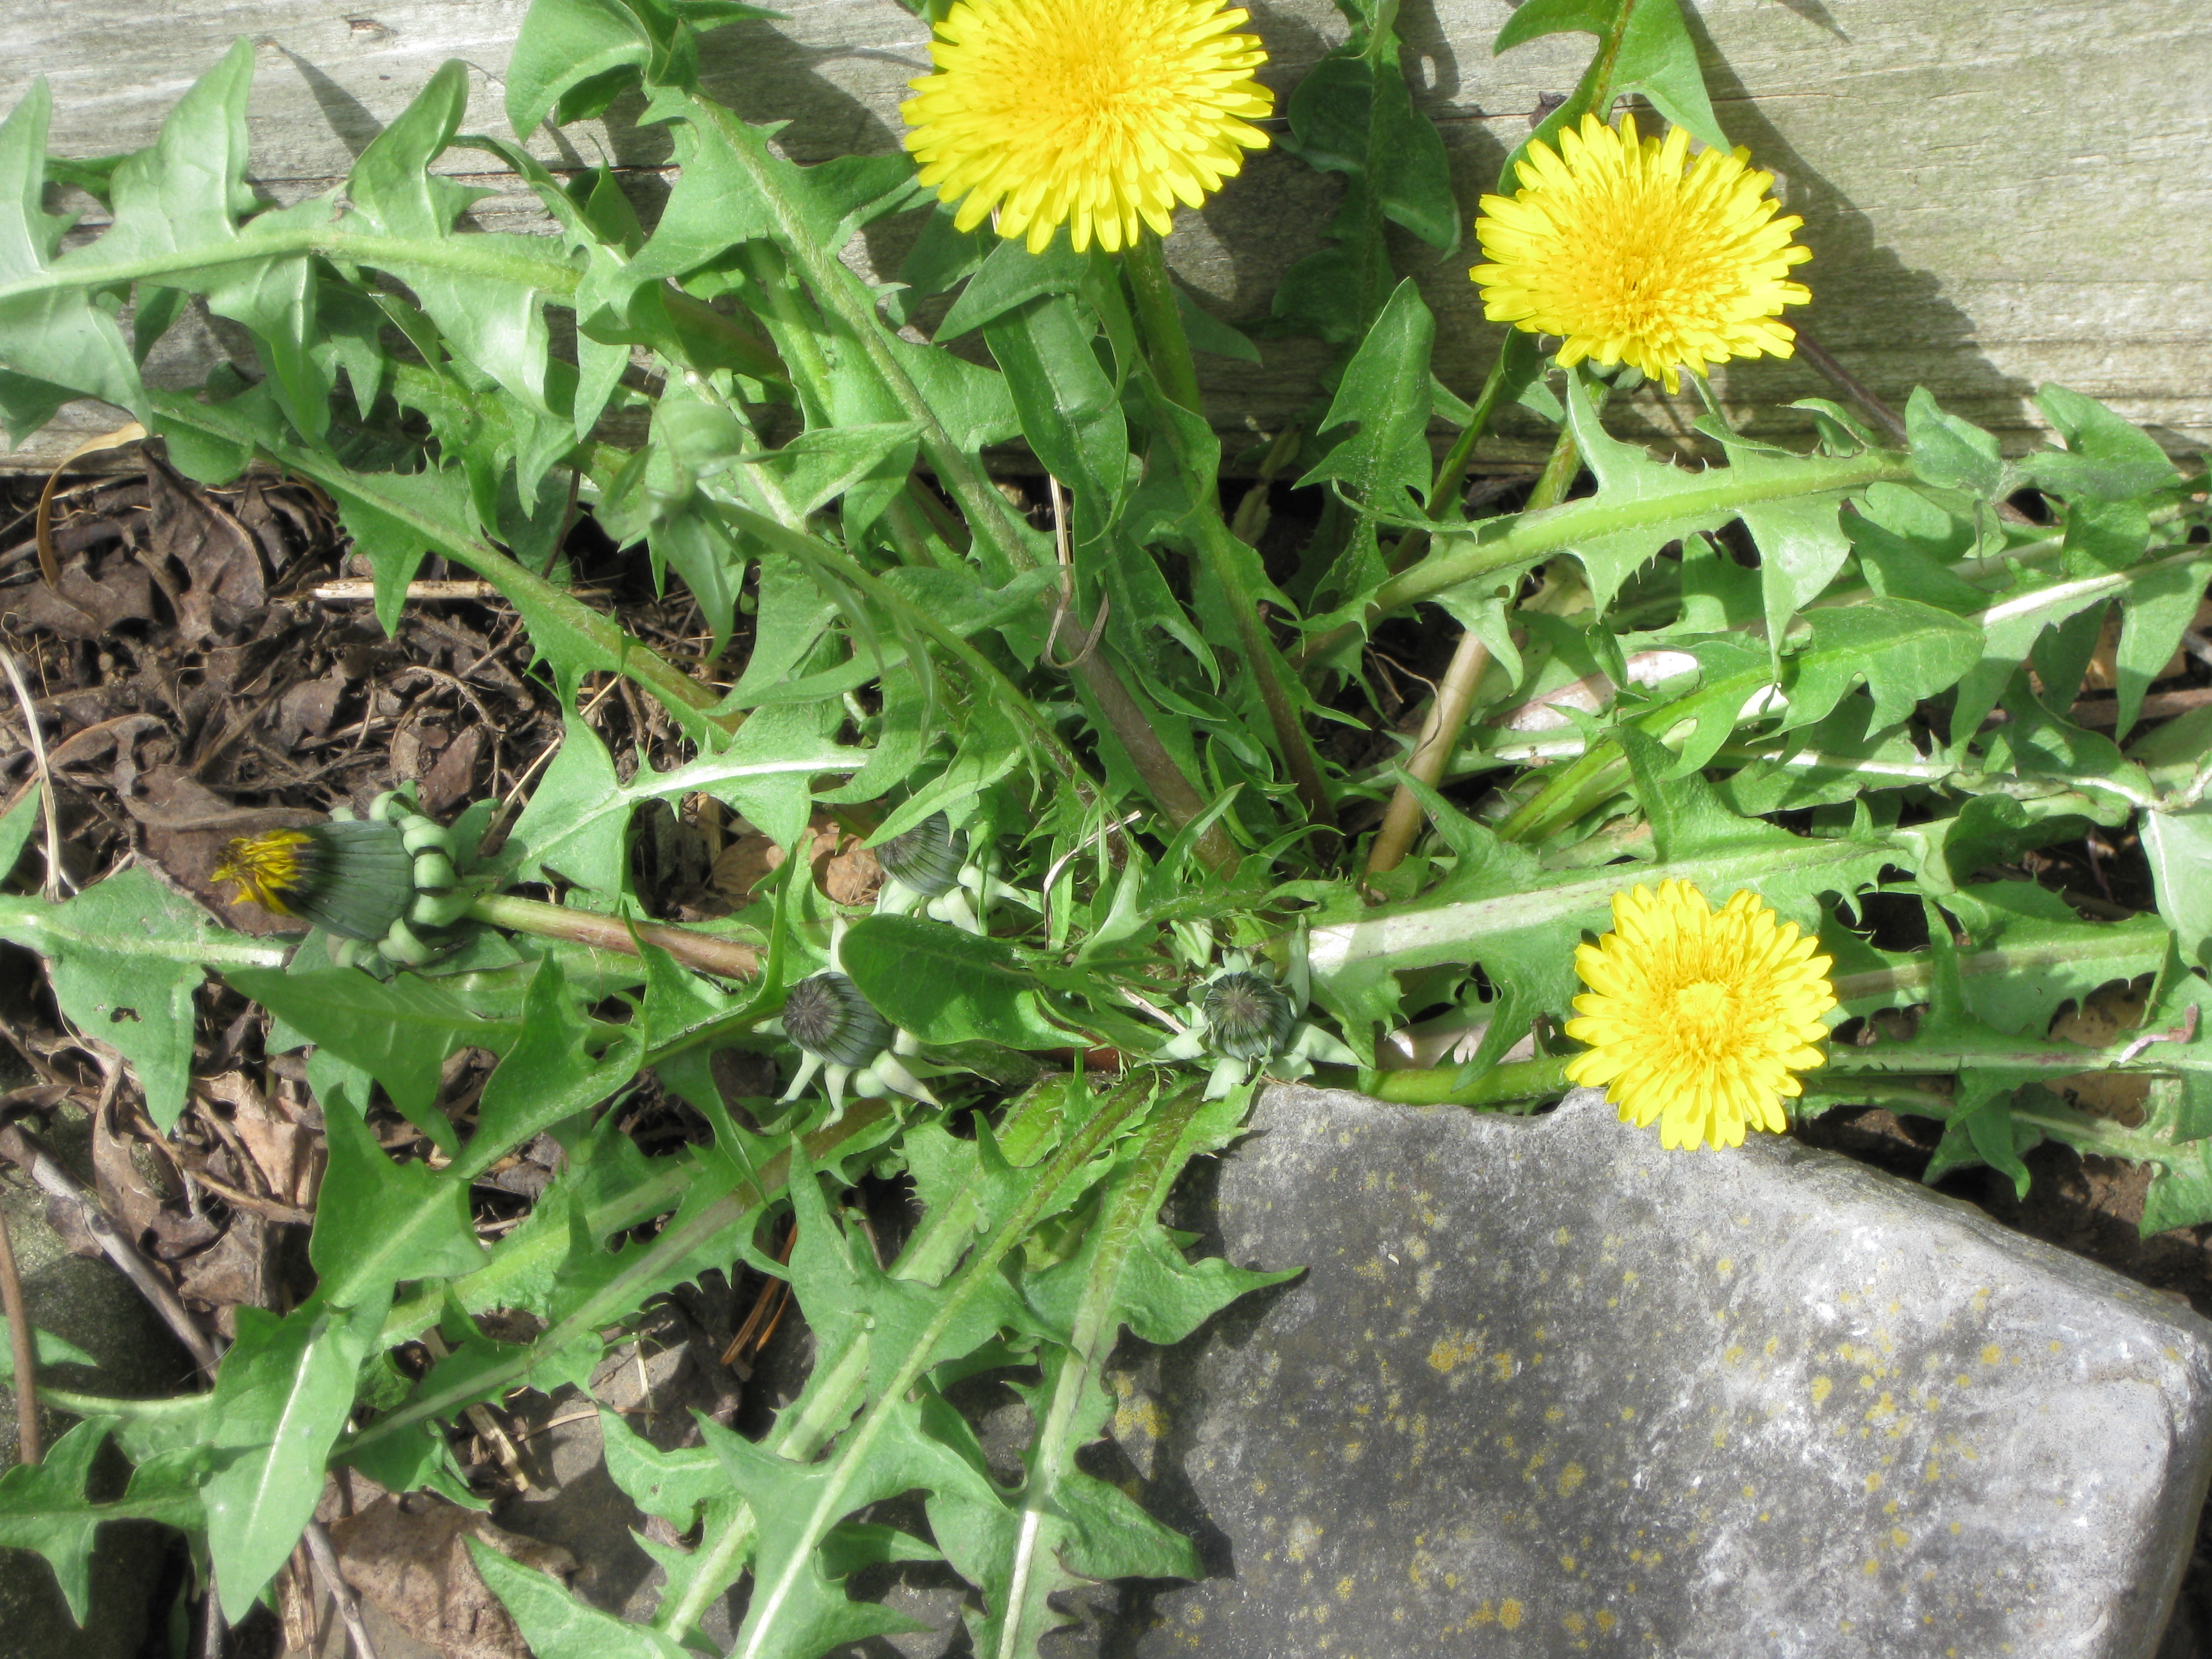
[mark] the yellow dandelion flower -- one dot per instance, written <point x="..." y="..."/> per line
<point x="1699" y="1017"/>
<point x="1632" y="253"/>
<point x="1100" y="115"/>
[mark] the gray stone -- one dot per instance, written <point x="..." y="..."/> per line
<point x="1550" y="1389"/>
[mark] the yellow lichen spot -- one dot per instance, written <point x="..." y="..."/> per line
<point x="1821" y="1386"/>
<point x="1733" y="1355"/>
<point x="1772" y="1343"/>
<point x="1572" y="1477"/>
<point x="1720" y="1439"/>
<point x="1139" y="1415"/>
<point x="1748" y="1491"/>
<point x="1450" y="1351"/>
<point x="1992" y="1354"/>
<point x="1963" y="1380"/>
<point x="1534" y="1464"/>
<point x="1955" y="1529"/>
<point x="1575" y="1624"/>
<point x="2056" y="1346"/>
<point x="1563" y="1236"/>
<point x="1372" y="1268"/>
<point x="1873" y="1481"/>
<point x="1890" y="1508"/>
<point x="1628" y="1277"/>
<point x="1509" y="1613"/>
<point x="1501" y="1367"/>
<point x="1605" y="1620"/>
<point x="1566" y="1563"/>
<point x="1885" y="1406"/>
<point x="1344" y="1588"/>
<point x="1899" y="1537"/>
<point x="1871" y="1567"/>
<point x="1725" y="1265"/>
<point x="1628" y="1413"/>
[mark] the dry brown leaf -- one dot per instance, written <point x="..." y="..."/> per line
<point x="411" y="1560"/>
<point x="80" y="606"/>
<point x="2105" y="1017"/>
<point x="454" y="776"/>
<point x="285" y="1151"/>
<point x="124" y="1193"/>
<point x="744" y="865"/>
<point x="846" y="872"/>
<point x="232" y="1272"/>
<point x="223" y="562"/>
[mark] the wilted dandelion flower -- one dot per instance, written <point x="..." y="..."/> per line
<point x="1634" y="254"/>
<point x="1096" y="114"/>
<point x="1697" y="1016"/>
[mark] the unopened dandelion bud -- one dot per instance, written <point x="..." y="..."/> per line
<point x="927" y="857"/>
<point x="827" y="1015"/>
<point x="350" y="877"/>
<point x="1248" y="1017"/>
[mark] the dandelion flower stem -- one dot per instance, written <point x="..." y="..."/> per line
<point x="1225" y="558"/>
<point x="1456" y="694"/>
<point x="727" y="958"/>
<point x="1154" y="290"/>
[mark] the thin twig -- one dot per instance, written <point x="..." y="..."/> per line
<point x="1859" y="394"/>
<point x="19" y="1343"/>
<point x="58" y="881"/>
<point x="341" y="1595"/>
<point x="20" y="1147"/>
<point x="1870" y="405"/>
<point x="354" y="590"/>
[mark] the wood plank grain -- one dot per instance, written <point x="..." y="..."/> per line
<point x="1998" y="192"/>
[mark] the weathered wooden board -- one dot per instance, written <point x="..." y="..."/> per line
<point x="1997" y="195"/>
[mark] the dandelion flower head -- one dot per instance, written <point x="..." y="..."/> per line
<point x="1634" y="254"/>
<point x="1698" y="1017"/>
<point x="1100" y="115"/>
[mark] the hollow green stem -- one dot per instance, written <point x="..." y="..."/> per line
<point x="1153" y="290"/>
<point x="1500" y="1086"/>
<point x="1456" y="694"/>
<point x="728" y="958"/>
<point x="848" y="309"/>
<point x="1227" y="560"/>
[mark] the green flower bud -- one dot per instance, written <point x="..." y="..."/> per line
<point x="353" y="878"/>
<point x="927" y="857"/>
<point x="827" y="1015"/>
<point x="1248" y="1017"/>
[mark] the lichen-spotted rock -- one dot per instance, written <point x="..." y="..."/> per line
<point x="1549" y="1389"/>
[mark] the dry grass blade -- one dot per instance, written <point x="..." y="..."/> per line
<point x="50" y="564"/>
